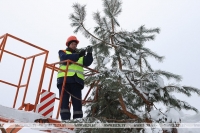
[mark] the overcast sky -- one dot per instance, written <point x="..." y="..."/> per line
<point x="46" y="23"/>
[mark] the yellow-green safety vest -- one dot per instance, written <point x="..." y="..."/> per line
<point x="72" y="69"/>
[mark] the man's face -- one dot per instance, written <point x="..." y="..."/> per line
<point x="73" y="45"/>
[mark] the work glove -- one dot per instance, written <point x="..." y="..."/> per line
<point x="82" y="52"/>
<point x="89" y="49"/>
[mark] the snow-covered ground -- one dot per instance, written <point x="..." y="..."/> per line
<point x="21" y="116"/>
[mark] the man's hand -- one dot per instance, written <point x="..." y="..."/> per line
<point x="89" y="49"/>
<point x="82" y="53"/>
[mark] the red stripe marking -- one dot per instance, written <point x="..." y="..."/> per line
<point x="45" y="97"/>
<point x="46" y="105"/>
<point x="48" y="111"/>
<point x="43" y="91"/>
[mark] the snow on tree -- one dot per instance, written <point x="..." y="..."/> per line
<point x="127" y="87"/>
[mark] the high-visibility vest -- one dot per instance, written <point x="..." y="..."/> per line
<point x="72" y="69"/>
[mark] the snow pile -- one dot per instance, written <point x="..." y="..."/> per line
<point x="160" y="81"/>
<point x="174" y="116"/>
<point x="19" y="115"/>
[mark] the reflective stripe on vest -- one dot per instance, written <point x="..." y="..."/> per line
<point x="72" y="69"/>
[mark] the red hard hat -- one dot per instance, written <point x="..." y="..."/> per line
<point x="72" y="38"/>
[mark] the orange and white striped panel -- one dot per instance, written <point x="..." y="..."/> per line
<point x="46" y="105"/>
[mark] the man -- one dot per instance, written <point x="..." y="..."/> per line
<point x="75" y="78"/>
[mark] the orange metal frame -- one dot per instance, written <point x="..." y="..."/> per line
<point x="19" y="85"/>
<point x="28" y="106"/>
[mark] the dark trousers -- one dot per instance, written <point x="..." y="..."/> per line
<point x="75" y="90"/>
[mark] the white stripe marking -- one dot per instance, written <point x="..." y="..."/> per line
<point x="44" y="94"/>
<point x="47" y="108"/>
<point x="47" y="100"/>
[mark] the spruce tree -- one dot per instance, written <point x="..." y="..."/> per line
<point x="126" y="88"/>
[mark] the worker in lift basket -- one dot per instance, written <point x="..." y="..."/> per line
<point x="75" y="78"/>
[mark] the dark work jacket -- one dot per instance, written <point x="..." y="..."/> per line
<point x="87" y="61"/>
